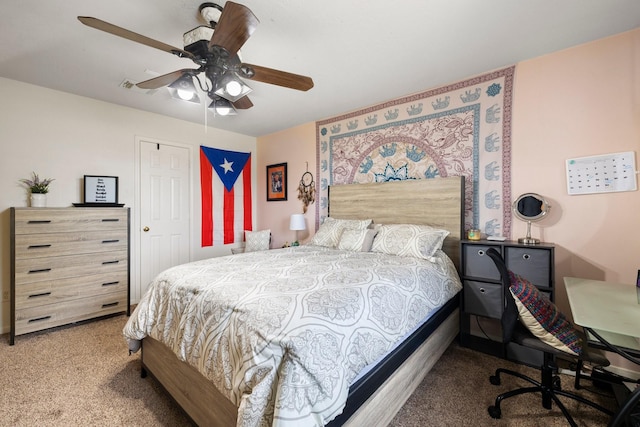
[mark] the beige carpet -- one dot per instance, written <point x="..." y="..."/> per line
<point x="83" y="375"/>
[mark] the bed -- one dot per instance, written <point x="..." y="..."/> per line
<point x="279" y="373"/>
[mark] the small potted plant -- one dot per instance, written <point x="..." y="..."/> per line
<point x="39" y="189"/>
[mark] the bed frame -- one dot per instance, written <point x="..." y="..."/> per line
<point x="377" y="397"/>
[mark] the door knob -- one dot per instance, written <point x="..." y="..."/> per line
<point x="145" y="229"/>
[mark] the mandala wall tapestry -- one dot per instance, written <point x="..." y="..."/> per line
<point x="460" y="129"/>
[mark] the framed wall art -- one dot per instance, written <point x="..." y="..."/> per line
<point x="277" y="182"/>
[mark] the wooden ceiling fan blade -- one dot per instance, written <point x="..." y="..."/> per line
<point x="243" y="103"/>
<point x="234" y="28"/>
<point x="165" y="79"/>
<point x="130" y="35"/>
<point x="275" y="77"/>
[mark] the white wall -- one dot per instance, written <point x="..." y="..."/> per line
<point x="64" y="136"/>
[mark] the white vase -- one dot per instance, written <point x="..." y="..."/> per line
<point x="38" y="200"/>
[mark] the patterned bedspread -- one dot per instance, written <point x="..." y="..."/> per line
<point x="282" y="333"/>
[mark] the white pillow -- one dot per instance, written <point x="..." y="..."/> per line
<point x="419" y="241"/>
<point x="331" y="229"/>
<point x="357" y="240"/>
<point x="257" y="240"/>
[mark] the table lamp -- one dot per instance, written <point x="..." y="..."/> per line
<point x="297" y="223"/>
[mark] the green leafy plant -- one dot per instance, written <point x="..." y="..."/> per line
<point x="37" y="185"/>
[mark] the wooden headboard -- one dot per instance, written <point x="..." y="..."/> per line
<point x="438" y="202"/>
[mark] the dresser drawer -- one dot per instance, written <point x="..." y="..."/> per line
<point x="483" y="299"/>
<point x="54" y="291"/>
<point x="63" y="220"/>
<point x="58" y="244"/>
<point x="478" y="264"/>
<point x="54" y="268"/>
<point x="47" y="316"/>
<point x="531" y="263"/>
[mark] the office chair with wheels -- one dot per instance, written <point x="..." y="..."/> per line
<point x="629" y="413"/>
<point x="552" y="335"/>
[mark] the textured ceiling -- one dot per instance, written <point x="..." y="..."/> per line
<point x="359" y="53"/>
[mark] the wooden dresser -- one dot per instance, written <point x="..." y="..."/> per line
<point x="67" y="265"/>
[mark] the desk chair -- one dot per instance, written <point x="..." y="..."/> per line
<point x="629" y="413"/>
<point x="515" y="331"/>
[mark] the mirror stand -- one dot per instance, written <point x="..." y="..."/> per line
<point x="528" y="240"/>
<point x="530" y="207"/>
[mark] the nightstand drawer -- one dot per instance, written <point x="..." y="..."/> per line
<point x="483" y="299"/>
<point x="532" y="263"/>
<point x="478" y="264"/>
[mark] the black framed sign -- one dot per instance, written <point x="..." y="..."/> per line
<point x="101" y="191"/>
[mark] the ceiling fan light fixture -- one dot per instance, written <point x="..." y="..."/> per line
<point x="184" y="89"/>
<point x="231" y="87"/>
<point x="185" y="95"/>
<point x="215" y="49"/>
<point x="210" y="12"/>
<point x="222" y="107"/>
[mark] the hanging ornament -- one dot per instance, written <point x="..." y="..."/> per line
<point x="307" y="190"/>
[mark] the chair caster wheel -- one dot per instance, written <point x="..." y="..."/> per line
<point x="494" y="412"/>
<point x="495" y="380"/>
<point x="557" y="384"/>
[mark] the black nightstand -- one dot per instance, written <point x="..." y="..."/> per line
<point x="481" y="303"/>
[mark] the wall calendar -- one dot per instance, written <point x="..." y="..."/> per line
<point x="602" y="174"/>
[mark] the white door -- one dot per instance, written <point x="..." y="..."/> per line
<point x="164" y="209"/>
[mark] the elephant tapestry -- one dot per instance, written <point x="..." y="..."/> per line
<point x="460" y="129"/>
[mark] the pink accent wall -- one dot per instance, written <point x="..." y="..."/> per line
<point x="578" y="102"/>
<point x="296" y="147"/>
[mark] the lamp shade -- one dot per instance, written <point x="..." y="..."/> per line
<point x="297" y="222"/>
<point x="222" y="107"/>
<point x="231" y="87"/>
<point x="184" y="89"/>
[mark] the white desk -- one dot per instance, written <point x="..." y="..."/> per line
<point x="611" y="310"/>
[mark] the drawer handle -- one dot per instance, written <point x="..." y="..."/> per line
<point x="110" y="262"/>
<point x="111" y="241"/>
<point x="39" y="319"/>
<point x="526" y="257"/>
<point x="111" y="304"/>
<point x="110" y="283"/>
<point x="110" y="220"/>
<point x="38" y="246"/>
<point x="480" y="252"/>
<point x="42" y="270"/>
<point x="39" y="221"/>
<point x="43" y="294"/>
<point x="482" y="290"/>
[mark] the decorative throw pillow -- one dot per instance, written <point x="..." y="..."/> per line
<point x="257" y="240"/>
<point x="331" y="229"/>
<point x="542" y="317"/>
<point x="419" y="241"/>
<point x="357" y="240"/>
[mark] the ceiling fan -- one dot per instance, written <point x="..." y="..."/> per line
<point x="215" y="49"/>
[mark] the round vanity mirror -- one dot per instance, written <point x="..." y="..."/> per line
<point x="530" y="207"/>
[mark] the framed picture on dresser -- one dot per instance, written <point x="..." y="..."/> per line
<point x="100" y="191"/>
